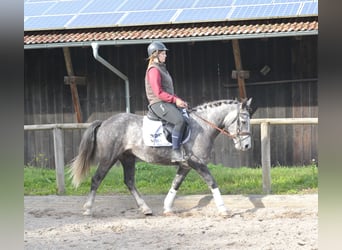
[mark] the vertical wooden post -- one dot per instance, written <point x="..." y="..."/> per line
<point x="73" y="86"/>
<point x="266" y="157"/>
<point x="59" y="159"/>
<point x="238" y="66"/>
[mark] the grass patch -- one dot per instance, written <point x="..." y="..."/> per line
<point x="156" y="179"/>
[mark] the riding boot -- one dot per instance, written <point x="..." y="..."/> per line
<point x="176" y="155"/>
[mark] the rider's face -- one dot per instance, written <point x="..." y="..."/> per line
<point x="162" y="56"/>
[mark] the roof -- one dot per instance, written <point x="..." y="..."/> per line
<point x="172" y="33"/>
<point x="68" y="23"/>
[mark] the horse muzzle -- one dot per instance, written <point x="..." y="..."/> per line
<point x="243" y="143"/>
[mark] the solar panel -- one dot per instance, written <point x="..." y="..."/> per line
<point x="251" y="2"/>
<point x="36" y="9"/>
<point x="61" y="14"/>
<point x="136" y="5"/>
<point x="204" y="14"/>
<point x="95" y="20"/>
<point x="148" y="17"/>
<point x="98" y="6"/>
<point x="282" y="10"/>
<point x="265" y="11"/>
<point x="309" y="9"/>
<point x="66" y="7"/>
<point x="213" y="3"/>
<point x="33" y="1"/>
<point x="290" y="1"/>
<point x="46" y="22"/>
<point x="175" y="4"/>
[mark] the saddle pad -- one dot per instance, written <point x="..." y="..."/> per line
<point x="153" y="133"/>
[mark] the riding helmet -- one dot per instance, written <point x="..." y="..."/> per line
<point x="155" y="46"/>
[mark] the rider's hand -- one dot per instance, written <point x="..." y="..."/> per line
<point x="180" y="103"/>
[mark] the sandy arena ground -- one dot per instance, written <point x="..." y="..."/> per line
<point x="256" y="222"/>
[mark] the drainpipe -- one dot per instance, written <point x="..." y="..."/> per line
<point x="95" y="47"/>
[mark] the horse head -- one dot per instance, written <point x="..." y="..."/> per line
<point x="238" y="126"/>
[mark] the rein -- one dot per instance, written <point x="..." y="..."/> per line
<point x="222" y="131"/>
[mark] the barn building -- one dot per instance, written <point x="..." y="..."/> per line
<point x="223" y="49"/>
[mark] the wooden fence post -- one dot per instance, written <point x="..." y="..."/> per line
<point x="266" y="157"/>
<point x="59" y="159"/>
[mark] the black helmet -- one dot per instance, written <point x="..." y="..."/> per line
<point x="154" y="46"/>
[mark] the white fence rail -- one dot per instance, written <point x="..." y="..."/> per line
<point x="264" y="134"/>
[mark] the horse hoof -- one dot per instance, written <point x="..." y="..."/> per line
<point x="87" y="212"/>
<point x="147" y="211"/>
<point x="169" y="213"/>
<point x="225" y="214"/>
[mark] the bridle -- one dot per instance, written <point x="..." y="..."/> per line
<point x="224" y="131"/>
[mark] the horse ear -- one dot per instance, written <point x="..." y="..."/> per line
<point x="251" y="109"/>
<point x="249" y="101"/>
<point x="247" y="105"/>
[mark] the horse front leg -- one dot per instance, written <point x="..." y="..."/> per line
<point x="128" y="164"/>
<point x="204" y="172"/>
<point x="182" y="172"/>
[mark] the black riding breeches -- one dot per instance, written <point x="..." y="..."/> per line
<point x="170" y="113"/>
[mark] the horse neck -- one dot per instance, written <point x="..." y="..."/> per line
<point x="219" y="115"/>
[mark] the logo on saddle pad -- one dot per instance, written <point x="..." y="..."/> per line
<point x="154" y="135"/>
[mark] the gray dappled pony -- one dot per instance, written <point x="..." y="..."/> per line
<point x="119" y="138"/>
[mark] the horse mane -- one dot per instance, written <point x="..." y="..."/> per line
<point x="213" y="104"/>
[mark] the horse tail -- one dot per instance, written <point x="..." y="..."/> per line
<point x="80" y="166"/>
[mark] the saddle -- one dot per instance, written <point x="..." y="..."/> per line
<point x="158" y="133"/>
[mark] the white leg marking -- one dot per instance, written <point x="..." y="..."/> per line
<point x="168" y="202"/>
<point x="89" y="203"/>
<point x="218" y="200"/>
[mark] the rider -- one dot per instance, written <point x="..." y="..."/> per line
<point x="162" y="99"/>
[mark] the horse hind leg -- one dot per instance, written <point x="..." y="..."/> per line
<point x="182" y="172"/>
<point x="128" y="164"/>
<point x="96" y="180"/>
<point x="89" y="203"/>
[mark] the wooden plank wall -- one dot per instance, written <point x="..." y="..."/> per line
<point x="201" y="72"/>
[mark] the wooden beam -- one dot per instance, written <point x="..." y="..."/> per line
<point x="238" y="66"/>
<point x="73" y="86"/>
<point x="240" y="73"/>
<point x="78" y="80"/>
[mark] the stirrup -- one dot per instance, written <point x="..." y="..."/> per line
<point x="177" y="156"/>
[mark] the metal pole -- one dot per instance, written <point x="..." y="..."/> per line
<point x="95" y="47"/>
